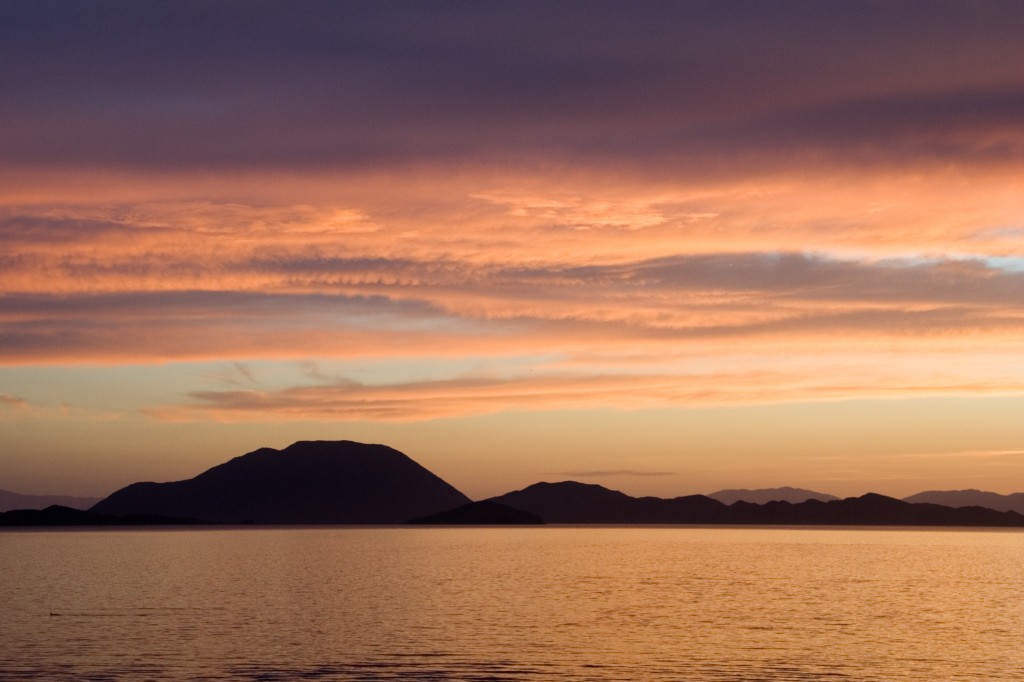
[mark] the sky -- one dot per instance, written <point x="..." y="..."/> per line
<point x="665" y="247"/>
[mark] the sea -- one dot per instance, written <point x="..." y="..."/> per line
<point x="510" y="603"/>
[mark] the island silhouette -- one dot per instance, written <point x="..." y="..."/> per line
<point x="309" y="482"/>
<point x="346" y="482"/>
<point x="573" y="502"/>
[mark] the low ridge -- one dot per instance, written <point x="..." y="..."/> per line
<point x="483" y="513"/>
<point x="572" y="502"/>
<point x="58" y="515"/>
<point x="11" y="500"/>
<point x="971" y="498"/>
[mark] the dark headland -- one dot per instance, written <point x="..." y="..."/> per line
<point x="344" y="482"/>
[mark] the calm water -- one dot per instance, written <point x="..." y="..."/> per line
<point x="512" y="604"/>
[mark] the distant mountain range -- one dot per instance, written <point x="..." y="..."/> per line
<point x="971" y="498"/>
<point x="344" y="482"/>
<point x="10" y="500"/>
<point x="571" y="502"/>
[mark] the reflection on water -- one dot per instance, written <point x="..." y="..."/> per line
<point x="512" y="604"/>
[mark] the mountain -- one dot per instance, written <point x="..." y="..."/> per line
<point x="57" y="515"/>
<point x="870" y="510"/>
<point x="572" y="502"/>
<point x="763" y="495"/>
<point x="483" y="513"/>
<point x="309" y="482"/>
<point x="971" y="498"/>
<point x="10" y="500"/>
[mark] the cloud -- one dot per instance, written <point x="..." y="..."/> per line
<point x="144" y="326"/>
<point x="673" y="88"/>
<point x="797" y="276"/>
<point x="580" y="214"/>
<point x="235" y="374"/>
<point x="593" y="192"/>
<point x="965" y="454"/>
<point x="295" y="305"/>
<point x="13" y="402"/>
<point x="457" y="397"/>
<point x="20" y="231"/>
<point x="604" y="473"/>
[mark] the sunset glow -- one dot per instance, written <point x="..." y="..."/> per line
<point x="670" y="250"/>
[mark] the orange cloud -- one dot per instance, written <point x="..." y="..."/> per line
<point x="610" y="276"/>
<point x="350" y="400"/>
<point x="13" y="402"/>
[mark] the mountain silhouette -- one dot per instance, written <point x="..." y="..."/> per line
<point x="11" y="500"/>
<point x="485" y="512"/>
<point x="870" y="510"/>
<point x="57" y="515"/>
<point x="971" y="498"/>
<point x="309" y="482"/>
<point x="572" y="502"/>
<point x="764" y="495"/>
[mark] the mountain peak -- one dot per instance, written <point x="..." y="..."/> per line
<point x="764" y="495"/>
<point x="311" y="482"/>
